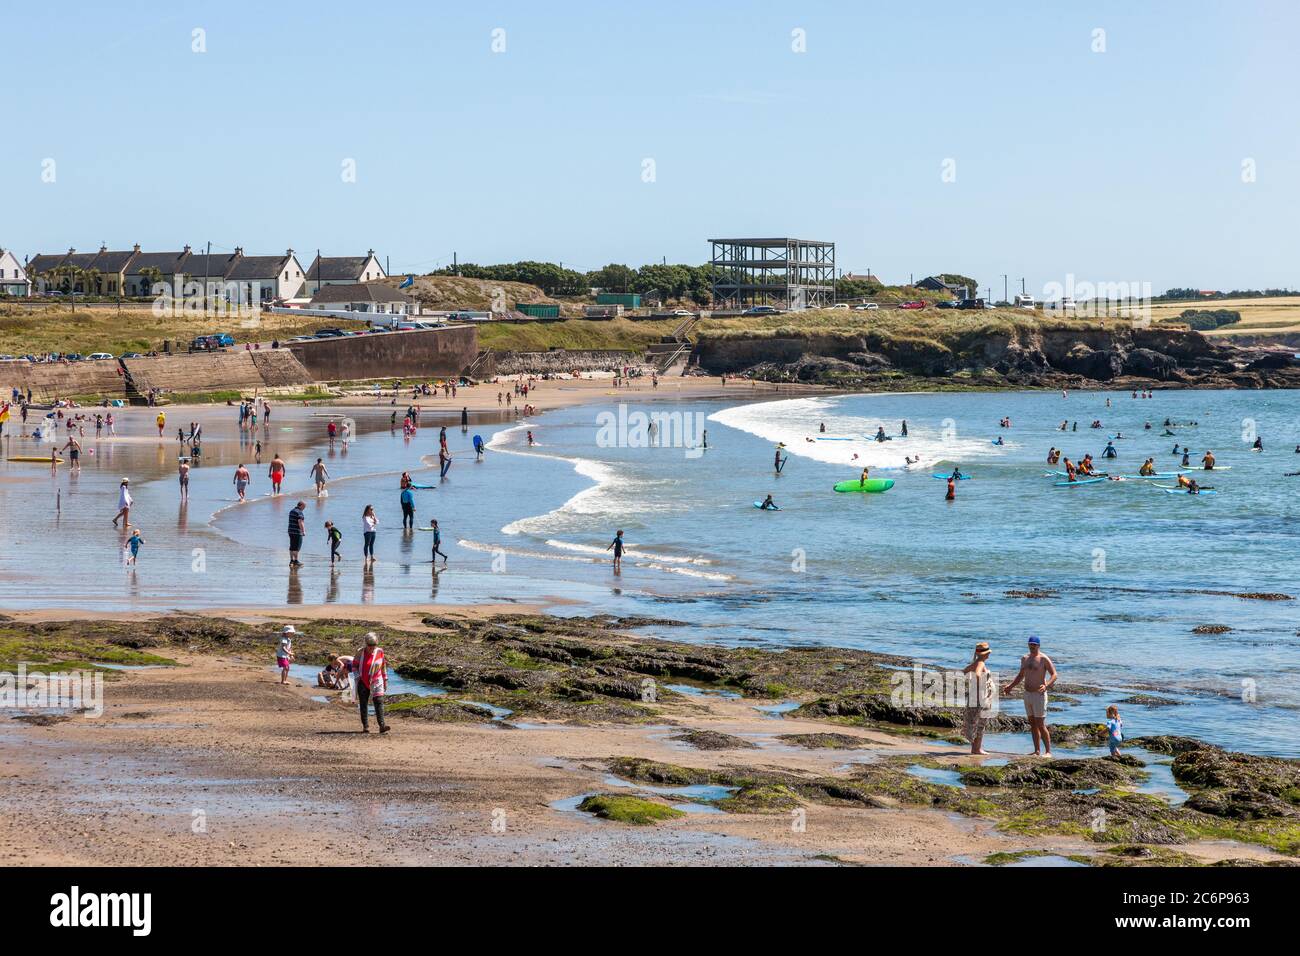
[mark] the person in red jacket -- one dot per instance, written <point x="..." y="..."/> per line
<point x="372" y="682"/>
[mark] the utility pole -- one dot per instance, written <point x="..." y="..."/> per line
<point x="1022" y="285"/>
<point x="207" y="262"/>
<point x="1005" y="294"/>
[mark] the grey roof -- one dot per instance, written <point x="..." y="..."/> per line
<point x="258" y="267"/>
<point x="214" y="266"/>
<point x="43" y="262"/>
<point x="359" y="292"/>
<point x="336" y="268"/>
<point x="109" y="261"/>
<point x="168" y="262"/>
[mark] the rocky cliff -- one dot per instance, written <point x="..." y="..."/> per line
<point x="1021" y="357"/>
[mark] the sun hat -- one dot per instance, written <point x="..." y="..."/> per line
<point x="288" y="629"/>
<point x="982" y="647"/>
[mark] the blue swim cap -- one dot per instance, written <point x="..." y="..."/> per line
<point x="1033" y="639"/>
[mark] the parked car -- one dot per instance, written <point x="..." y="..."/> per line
<point x="330" y="334"/>
<point x="684" y="313"/>
<point x="866" y="307"/>
<point x="971" y="304"/>
<point x="762" y="310"/>
<point x="950" y="304"/>
<point x="1024" y="301"/>
<point x="99" y="356"/>
<point x="918" y="304"/>
<point x="840" y="306"/>
<point x="73" y="356"/>
<point x="131" y="355"/>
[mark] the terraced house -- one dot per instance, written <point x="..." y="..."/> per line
<point x="343" y="270"/>
<point x="13" y="276"/>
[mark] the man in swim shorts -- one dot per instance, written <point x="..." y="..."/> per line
<point x="1038" y="673"/>
<point x="241" y="481"/>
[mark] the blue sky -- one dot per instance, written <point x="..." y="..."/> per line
<point x="1123" y="165"/>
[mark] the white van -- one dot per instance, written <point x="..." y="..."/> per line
<point x="1024" y="301"/>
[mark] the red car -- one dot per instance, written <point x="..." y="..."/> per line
<point x="918" y="304"/>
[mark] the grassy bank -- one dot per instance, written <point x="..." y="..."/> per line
<point x="925" y="324"/>
<point x="56" y="328"/>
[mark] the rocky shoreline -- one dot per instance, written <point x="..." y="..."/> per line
<point x="589" y="672"/>
<point x="1121" y="357"/>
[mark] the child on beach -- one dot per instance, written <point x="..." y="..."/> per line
<point x="284" y="654"/>
<point x="336" y="538"/>
<point x="1114" y="730"/>
<point x="133" y="547"/>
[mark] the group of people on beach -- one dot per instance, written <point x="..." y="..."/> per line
<point x="1037" y="675"/>
<point x="361" y="675"/>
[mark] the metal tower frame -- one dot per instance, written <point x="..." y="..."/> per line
<point x="788" y="273"/>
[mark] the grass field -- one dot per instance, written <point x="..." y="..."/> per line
<point x="1258" y="316"/>
<point x="52" y="328"/>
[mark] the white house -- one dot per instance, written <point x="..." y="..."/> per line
<point x="343" y="270"/>
<point x="274" y="277"/>
<point x="13" y="277"/>
<point x="373" y="297"/>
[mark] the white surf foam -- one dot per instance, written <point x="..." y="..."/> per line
<point x="794" y="421"/>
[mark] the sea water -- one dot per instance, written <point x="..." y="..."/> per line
<point x="1119" y="569"/>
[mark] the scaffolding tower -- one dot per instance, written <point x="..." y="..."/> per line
<point x="786" y="273"/>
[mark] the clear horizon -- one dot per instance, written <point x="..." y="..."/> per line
<point x="939" y="138"/>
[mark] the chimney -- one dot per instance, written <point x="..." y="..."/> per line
<point x="371" y="252"/>
<point x="136" y="248"/>
<point x="71" y="250"/>
<point x="186" y="251"/>
<point x="289" y="251"/>
<point x="103" y="248"/>
<point x="239" y="251"/>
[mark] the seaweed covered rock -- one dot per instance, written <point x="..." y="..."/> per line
<point x="713" y="740"/>
<point x="1059" y="774"/>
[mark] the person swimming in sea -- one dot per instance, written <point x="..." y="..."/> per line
<point x="880" y="434"/>
<point x="1207" y="461"/>
<point x="999" y="441"/>
<point x="769" y="505"/>
<point x="1109" y="451"/>
<point x="903" y="430"/>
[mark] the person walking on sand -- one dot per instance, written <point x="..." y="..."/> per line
<point x="124" y="501"/>
<point x="1038" y="674"/>
<point x="276" y="473"/>
<point x="241" y="479"/>
<point x="183" y="478"/>
<point x="319" y="474"/>
<point x="369" y="522"/>
<point x="297" y="529"/>
<point x="161" y="421"/>
<point x="979" y="697"/>
<point x="372" y="682"/>
<point x="284" y="653"/>
<point x="617" y="546"/>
